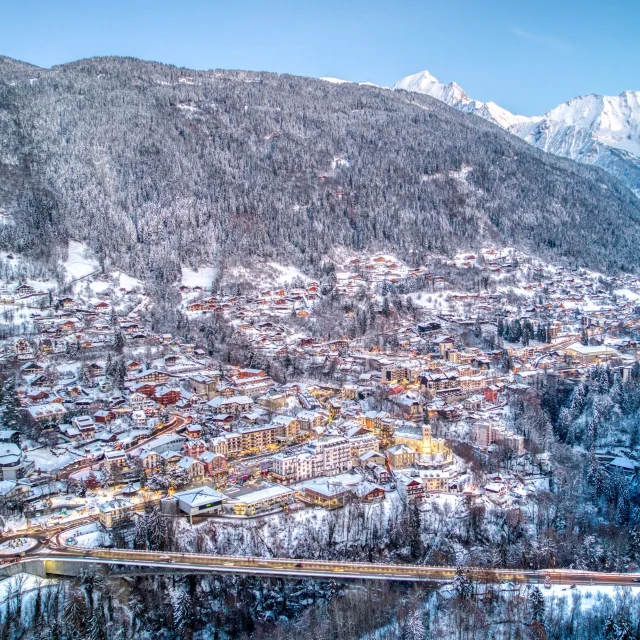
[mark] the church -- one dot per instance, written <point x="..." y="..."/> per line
<point x="419" y="439"/>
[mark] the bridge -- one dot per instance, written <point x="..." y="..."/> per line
<point x="70" y="561"/>
<point x="53" y="555"/>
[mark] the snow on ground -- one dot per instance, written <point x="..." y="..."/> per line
<point x="590" y="594"/>
<point x="201" y="277"/>
<point x="285" y="274"/>
<point x="78" y="264"/>
<point x="23" y="583"/>
<point x="16" y="545"/>
<point x="46" y="460"/>
<point x="627" y="293"/>
<point x="127" y="282"/>
<point x="336" y="80"/>
<point x="438" y="300"/>
<point x="519" y="291"/>
<point x="87" y="536"/>
<point x="266" y="275"/>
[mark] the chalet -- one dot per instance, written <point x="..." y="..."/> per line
<point x="85" y="425"/>
<point x="43" y="380"/>
<point x="25" y="290"/>
<point x="409" y="489"/>
<point x="149" y="459"/>
<point x="193" y="430"/>
<point x="379" y="472"/>
<point x="152" y="375"/>
<point x="165" y="396"/>
<point x="32" y="369"/>
<point x="37" y="397"/>
<point x="103" y="416"/>
<point x="116" y="461"/>
<point x="95" y="370"/>
<point x="132" y="367"/>
<point x="171" y="360"/>
<point x="147" y="389"/>
<point x="495" y="491"/>
<point x="67" y="326"/>
<point x="137" y="400"/>
<point x="46" y="345"/>
<point x="368" y="492"/>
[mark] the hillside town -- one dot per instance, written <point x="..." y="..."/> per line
<point x="104" y="416"/>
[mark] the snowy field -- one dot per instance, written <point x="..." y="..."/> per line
<point x="201" y="277"/>
<point x="78" y="264"/>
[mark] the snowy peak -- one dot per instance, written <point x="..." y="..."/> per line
<point x="453" y="94"/>
<point x="424" y="82"/>
<point x="594" y="129"/>
<point x="613" y="120"/>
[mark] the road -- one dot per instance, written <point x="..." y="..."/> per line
<point x="292" y="568"/>
<point x="52" y="546"/>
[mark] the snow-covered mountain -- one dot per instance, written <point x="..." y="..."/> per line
<point x="594" y="129"/>
<point x="454" y="96"/>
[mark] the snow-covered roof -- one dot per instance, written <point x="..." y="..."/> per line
<point x="200" y="496"/>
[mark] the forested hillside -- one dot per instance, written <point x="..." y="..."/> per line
<point x="155" y="166"/>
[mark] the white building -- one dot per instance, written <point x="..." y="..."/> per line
<point x="363" y="444"/>
<point x="327" y="456"/>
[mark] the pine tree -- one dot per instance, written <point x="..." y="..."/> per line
<point x="462" y="585"/>
<point x="414" y="530"/>
<point x="118" y="341"/>
<point x="181" y="610"/>
<point x="537" y="603"/>
<point x="414" y="627"/>
<point x="156" y="531"/>
<point x="84" y="377"/>
<point x="97" y="627"/>
<point x="74" y="610"/>
<point x="477" y="328"/>
<point x="11" y="406"/>
<point x="386" y="307"/>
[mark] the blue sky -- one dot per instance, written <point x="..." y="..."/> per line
<point x="527" y="56"/>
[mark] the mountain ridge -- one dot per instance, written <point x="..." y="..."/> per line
<point x="155" y="167"/>
<point x="576" y="129"/>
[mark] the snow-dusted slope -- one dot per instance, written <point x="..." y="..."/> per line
<point x="594" y="129"/>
